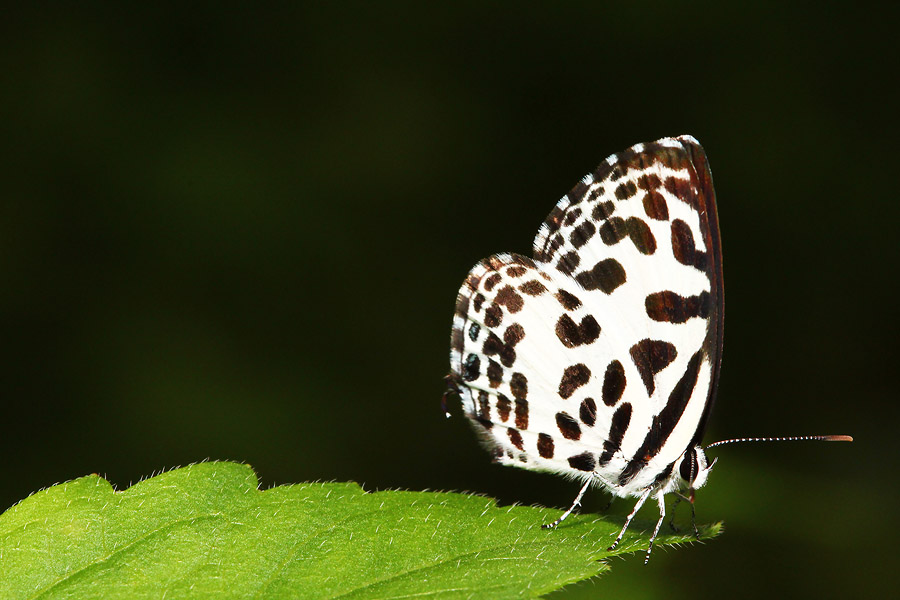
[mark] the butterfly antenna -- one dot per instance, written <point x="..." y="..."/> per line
<point x="797" y="438"/>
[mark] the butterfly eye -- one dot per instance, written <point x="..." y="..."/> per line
<point x="688" y="468"/>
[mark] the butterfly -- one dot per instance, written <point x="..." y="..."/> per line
<point x="599" y="358"/>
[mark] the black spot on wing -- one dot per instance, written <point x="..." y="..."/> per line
<point x="513" y="334"/>
<point x="613" y="383"/>
<point x="494" y="373"/>
<point x="471" y="368"/>
<point x="655" y="206"/>
<point x="603" y="211"/>
<point x="583" y="462"/>
<point x="568" y="426"/>
<point x="588" y="412"/>
<point x="509" y="297"/>
<point x="617" y="229"/>
<point x="670" y="307"/>
<point x="626" y="190"/>
<point x="477" y="302"/>
<point x="505" y="348"/>
<point x="545" y="445"/>
<point x="572" y="334"/>
<point x="493" y="315"/>
<point x="572" y="215"/>
<point x="533" y="288"/>
<point x="617" y="428"/>
<point x="641" y="236"/>
<point x="582" y="234"/>
<point x="654" y="203"/>
<point x="573" y="378"/>
<point x="484" y="406"/>
<point x="650" y="357"/>
<point x="568" y="262"/>
<point x="613" y="231"/>
<point x="521" y="414"/>
<point x="685" y="249"/>
<point x="595" y="194"/>
<point x="606" y="275"/>
<point x="518" y="385"/>
<point x="492" y="345"/>
<point x="567" y="300"/>
<point x="649" y="182"/>
<point x="684" y="190"/>
<point x="516" y="438"/>
<point x="503" y="407"/>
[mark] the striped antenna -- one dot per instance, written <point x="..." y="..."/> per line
<point x="799" y="438"/>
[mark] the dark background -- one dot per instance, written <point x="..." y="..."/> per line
<point x="239" y="235"/>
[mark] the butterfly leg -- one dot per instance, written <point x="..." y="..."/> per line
<point x="575" y="505"/>
<point x="694" y="522"/>
<point x="662" y="516"/>
<point x="678" y="499"/>
<point x="637" y="507"/>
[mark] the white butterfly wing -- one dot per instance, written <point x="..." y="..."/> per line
<point x="599" y="358"/>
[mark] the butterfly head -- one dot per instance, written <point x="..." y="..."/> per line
<point x="694" y="469"/>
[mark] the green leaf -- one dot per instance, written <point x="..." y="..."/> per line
<point x="207" y="531"/>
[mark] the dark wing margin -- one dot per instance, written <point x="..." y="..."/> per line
<point x="706" y="202"/>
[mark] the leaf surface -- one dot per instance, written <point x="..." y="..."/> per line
<point x="206" y="531"/>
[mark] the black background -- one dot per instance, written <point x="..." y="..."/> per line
<point x="239" y="235"/>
